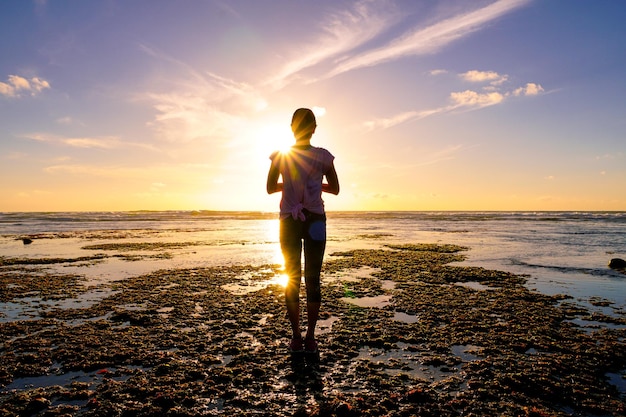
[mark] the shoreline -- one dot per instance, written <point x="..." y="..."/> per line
<point x="435" y="339"/>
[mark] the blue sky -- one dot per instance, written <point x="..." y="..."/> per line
<point x="447" y="105"/>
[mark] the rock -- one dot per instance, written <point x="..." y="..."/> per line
<point x="27" y="241"/>
<point x="617" y="263"/>
<point x="36" y="405"/>
<point x="417" y="395"/>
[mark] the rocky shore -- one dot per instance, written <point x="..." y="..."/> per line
<point x="403" y="333"/>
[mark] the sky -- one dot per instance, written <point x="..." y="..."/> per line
<point x="426" y="105"/>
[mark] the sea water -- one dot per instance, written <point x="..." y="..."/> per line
<point x="560" y="252"/>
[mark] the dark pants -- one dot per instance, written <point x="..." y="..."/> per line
<point x="293" y="233"/>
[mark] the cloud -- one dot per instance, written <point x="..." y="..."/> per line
<point x="472" y="98"/>
<point x="445" y="154"/>
<point x="206" y="107"/>
<point x="15" y="155"/>
<point x="17" y="85"/>
<point x="107" y="142"/>
<point x="80" y="142"/>
<point x="224" y="7"/>
<point x="175" y="173"/>
<point x="99" y="143"/>
<point x="387" y="122"/>
<point x="342" y="32"/>
<point x="610" y="156"/>
<point x="467" y="98"/>
<point x="200" y="106"/>
<point x="203" y="106"/>
<point x="183" y="117"/>
<point x="482" y="76"/>
<point x="156" y="187"/>
<point x="493" y="94"/>
<point x="421" y="41"/>
<point x="530" y="89"/>
<point x="67" y="120"/>
<point x="36" y="192"/>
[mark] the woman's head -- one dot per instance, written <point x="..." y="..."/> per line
<point x="303" y="124"/>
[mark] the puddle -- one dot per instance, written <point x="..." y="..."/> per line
<point x="619" y="381"/>
<point x="226" y="360"/>
<point x="28" y="308"/>
<point x="475" y="286"/>
<point x="533" y="351"/>
<point x="378" y="301"/>
<point x="167" y="287"/>
<point x="467" y="353"/>
<point x="401" y="361"/>
<point x="325" y="326"/>
<point x="131" y="307"/>
<point x="590" y="326"/>
<point x="263" y="319"/>
<point x="408" y="361"/>
<point x="163" y="311"/>
<point x="353" y="275"/>
<point x="246" y="286"/>
<point x="63" y="379"/>
<point x="80" y="322"/>
<point x="388" y="285"/>
<point x="404" y="317"/>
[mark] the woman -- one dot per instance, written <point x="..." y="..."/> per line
<point x="303" y="219"/>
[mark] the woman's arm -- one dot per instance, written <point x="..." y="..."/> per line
<point x="273" y="186"/>
<point x="333" y="182"/>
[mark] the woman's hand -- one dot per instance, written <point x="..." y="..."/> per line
<point x="333" y="182"/>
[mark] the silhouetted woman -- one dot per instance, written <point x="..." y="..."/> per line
<point x="303" y="220"/>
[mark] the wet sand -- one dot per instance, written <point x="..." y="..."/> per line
<point x="402" y="333"/>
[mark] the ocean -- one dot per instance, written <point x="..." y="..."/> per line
<point x="559" y="252"/>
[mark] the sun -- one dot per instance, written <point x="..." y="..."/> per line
<point x="274" y="137"/>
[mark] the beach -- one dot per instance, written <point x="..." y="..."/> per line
<point x="187" y="318"/>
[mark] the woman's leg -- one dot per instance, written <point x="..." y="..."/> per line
<point x="291" y="246"/>
<point x="314" y="247"/>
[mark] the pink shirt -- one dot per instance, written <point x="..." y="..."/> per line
<point x="302" y="170"/>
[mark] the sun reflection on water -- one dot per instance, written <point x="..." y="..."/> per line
<point x="272" y="232"/>
<point x="281" y="280"/>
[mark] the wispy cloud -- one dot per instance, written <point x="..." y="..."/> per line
<point x="16" y="86"/>
<point x="109" y="171"/>
<point x="68" y="121"/>
<point x="15" y="155"/>
<point x="430" y="39"/>
<point x="199" y="106"/>
<point x="108" y="142"/>
<point x="610" y="156"/>
<point x="445" y="154"/>
<point x="493" y="92"/>
<point x="436" y="72"/>
<point x="206" y="107"/>
<point x="342" y="32"/>
<point x="153" y="177"/>
<point x="224" y="7"/>
<point x="98" y="143"/>
<point x="387" y="122"/>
